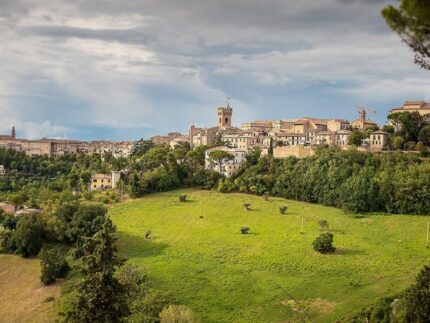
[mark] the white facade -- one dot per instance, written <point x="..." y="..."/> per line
<point x="230" y="167"/>
<point x="2" y="170"/>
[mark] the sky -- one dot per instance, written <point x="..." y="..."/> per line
<point x="129" y="69"/>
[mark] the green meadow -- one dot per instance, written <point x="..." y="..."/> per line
<point x="197" y="253"/>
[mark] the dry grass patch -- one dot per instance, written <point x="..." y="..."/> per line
<point x="23" y="297"/>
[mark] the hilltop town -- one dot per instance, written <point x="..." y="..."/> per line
<point x="287" y="137"/>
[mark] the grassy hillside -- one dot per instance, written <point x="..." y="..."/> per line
<point x="23" y="297"/>
<point x="272" y="274"/>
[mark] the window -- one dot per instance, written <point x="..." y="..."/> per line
<point x="95" y="186"/>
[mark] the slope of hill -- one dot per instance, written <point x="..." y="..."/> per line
<point x="197" y="252"/>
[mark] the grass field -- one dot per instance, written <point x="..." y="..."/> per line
<point x="23" y="298"/>
<point x="272" y="274"/>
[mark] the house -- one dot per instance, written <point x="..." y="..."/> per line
<point x="378" y="141"/>
<point x="2" y="170"/>
<point x="228" y="168"/>
<point x="100" y="182"/>
<point x="342" y="137"/>
<point x="8" y="208"/>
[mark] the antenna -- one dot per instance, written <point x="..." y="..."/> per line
<point x="228" y="101"/>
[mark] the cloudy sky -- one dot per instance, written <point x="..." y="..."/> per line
<point x="126" y="69"/>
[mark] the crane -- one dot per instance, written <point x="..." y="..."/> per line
<point x="362" y="111"/>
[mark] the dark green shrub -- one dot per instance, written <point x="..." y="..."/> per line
<point x="323" y="224"/>
<point x="283" y="209"/>
<point x="28" y="236"/>
<point x="324" y="243"/>
<point x="244" y="230"/>
<point x="53" y="265"/>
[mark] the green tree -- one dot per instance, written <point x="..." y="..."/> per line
<point x="417" y="298"/>
<point x="141" y="147"/>
<point x="28" y="236"/>
<point x="324" y="243"/>
<point x="270" y="151"/>
<point x="219" y="158"/>
<point x="356" y="138"/>
<point x="407" y="124"/>
<point x="398" y="142"/>
<point x="411" y="20"/>
<point x="53" y="265"/>
<point x="100" y="296"/>
<point x="424" y="135"/>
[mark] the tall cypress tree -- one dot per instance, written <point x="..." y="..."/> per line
<point x="100" y="296"/>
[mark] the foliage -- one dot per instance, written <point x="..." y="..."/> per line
<point x="283" y="209"/>
<point x="100" y="296"/>
<point x="411" y="21"/>
<point x="324" y="243"/>
<point x="407" y="124"/>
<point x="356" y="138"/>
<point x="53" y="265"/>
<point x="73" y="221"/>
<point x="28" y="236"/>
<point x="177" y="314"/>
<point x="244" y="230"/>
<point x="323" y="224"/>
<point x="147" y="307"/>
<point x="226" y="186"/>
<point x="219" y="157"/>
<point x="417" y="298"/>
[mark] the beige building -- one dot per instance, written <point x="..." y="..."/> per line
<point x="299" y="151"/>
<point x="100" y="182"/>
<point x="422" y="107"/>
<point x="258" y="126"/>
<point x="342" y="137"/>
<point x="325" y="138"/>
<point x="2" y="170"/>
<point x="378" y="141"/>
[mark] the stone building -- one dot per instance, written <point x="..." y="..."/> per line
<point x="2" y="170"/>
<point x="378" y="141"/>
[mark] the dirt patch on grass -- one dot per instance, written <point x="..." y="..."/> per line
<point x="22" y="295"/>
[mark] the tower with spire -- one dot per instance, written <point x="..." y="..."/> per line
<point x="13" y="132"/>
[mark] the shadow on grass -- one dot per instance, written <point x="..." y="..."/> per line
<point x="349" y="252"/>
<point x="134" y="246"/>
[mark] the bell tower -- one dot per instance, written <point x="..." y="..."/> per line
<point x="13" y="134"/>
<point x="224" y="115"/>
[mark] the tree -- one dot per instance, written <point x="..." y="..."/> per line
<point x="270" y="151"/>
<point x="28" y="236"/>
<point x="356" y="138"/>
<point x="424" y="135"/>
<point x="100" y="296"/>
<point x="411" y="21"/>
<point x="417" y="298"/>
<point x="398" y="142"/>
<point x="407" y="124"/>
<point x="219" y="158"/>
<point x="53" y="265"/>
<point x="324" y="243"/>
<point x="141" y="147"/>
